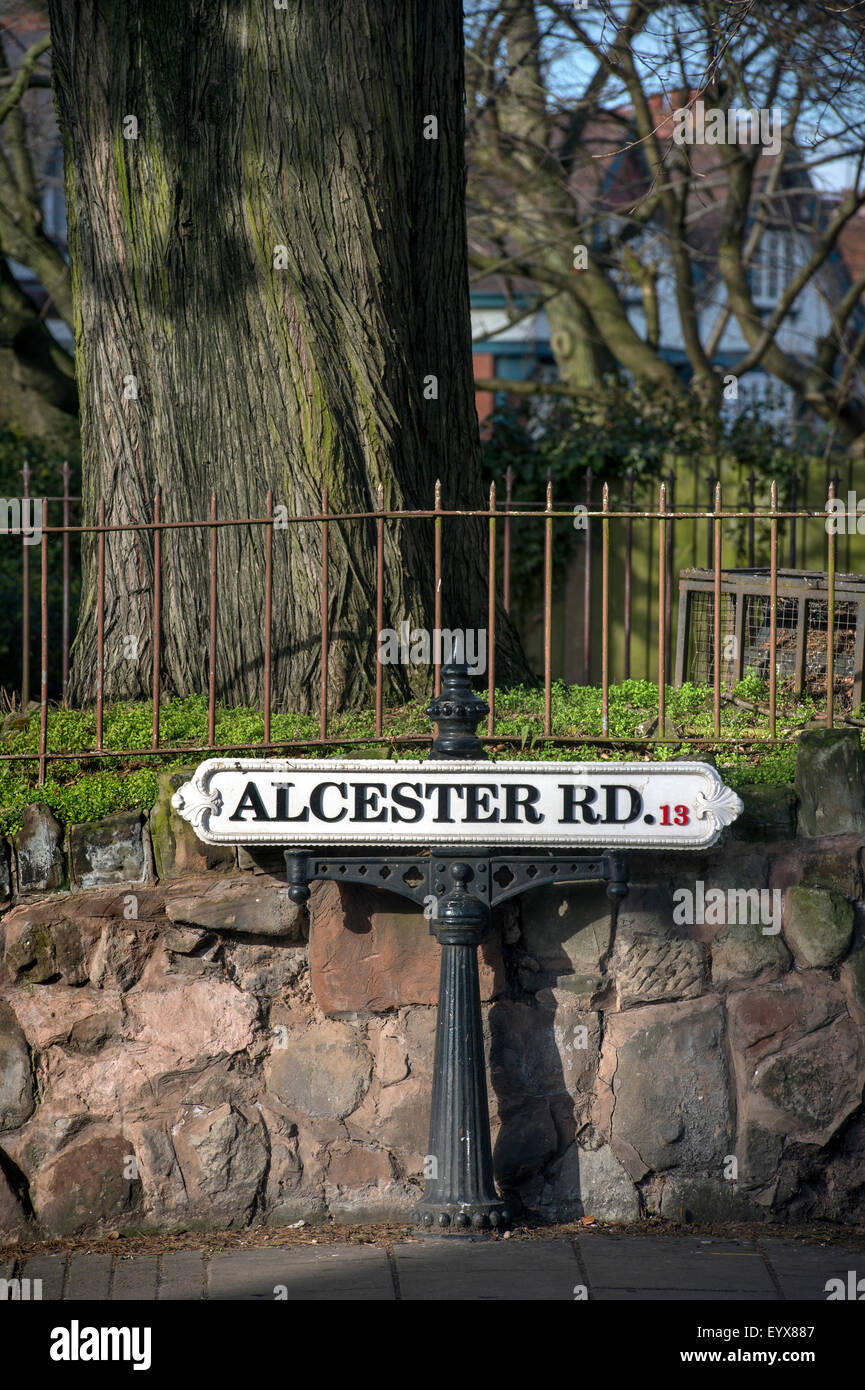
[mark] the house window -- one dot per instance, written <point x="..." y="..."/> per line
<point x="771" y="268"/>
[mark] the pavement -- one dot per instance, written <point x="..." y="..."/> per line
<point x="596" y="1266"/>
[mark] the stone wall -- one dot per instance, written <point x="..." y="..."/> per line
<point x="178" y="1048"/>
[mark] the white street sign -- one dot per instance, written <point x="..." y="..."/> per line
<point x="320" y="802"/>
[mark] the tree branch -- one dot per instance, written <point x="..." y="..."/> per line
<point x="22" y="78"/>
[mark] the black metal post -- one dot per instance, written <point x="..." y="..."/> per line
<point x="464" y="884"/>
<point x="460" y="1191"/>
<point x="457" y="711"/>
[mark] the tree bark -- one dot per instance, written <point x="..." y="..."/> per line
<point x="270" y="137"/>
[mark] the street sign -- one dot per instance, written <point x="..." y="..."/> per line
<point x="678" y="805"/>
<point x="486" y="820"/>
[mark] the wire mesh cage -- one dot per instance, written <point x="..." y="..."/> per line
<point x="802" y="624"/>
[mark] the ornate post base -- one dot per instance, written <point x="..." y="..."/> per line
<point x="460" y="1194"/>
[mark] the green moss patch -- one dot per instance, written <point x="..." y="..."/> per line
<point x="83" y="787"/>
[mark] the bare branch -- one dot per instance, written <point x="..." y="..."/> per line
<point x="22" y="78"/>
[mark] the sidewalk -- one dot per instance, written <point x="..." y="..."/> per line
<point x="605" y="1266"/>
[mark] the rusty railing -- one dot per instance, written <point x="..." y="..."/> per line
<point x="499" y="523"/>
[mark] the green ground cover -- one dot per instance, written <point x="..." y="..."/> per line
<point x="81" y="788"/>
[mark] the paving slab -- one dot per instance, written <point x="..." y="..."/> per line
<point x="89" y="1279"/>
<point x="181" y="1276"/>
<point x="50" y="1269"/>
<point x="135" y="1277"/>
<point x="680" y="1296"/>
<point x="804" y="1270"/>
<point x="616" y="1268"/>
<point x="481" y="1271"/>
<point x="337" y="1272"/>
<point x="664" y="1263"/>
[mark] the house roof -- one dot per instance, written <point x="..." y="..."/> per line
<point x="608" y="176"/>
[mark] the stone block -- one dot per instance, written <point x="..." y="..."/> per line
<point x="765" y="1018"/>
<point x="834" y="864"/>
<point x="759" y="1152"/>
<point x="769" y="814"/>
<point x="259" y="908"/>
<point x="84" y="1188"/>
<point x="49" y="940"/>
<point x="649" y="968"/>
<point x="396" y="1117"/>
<point x="17" y="1101"/>
<point x="164" y="1192"/>
<point x="818" y="925"/>
<point x="177" y="850"/>
<point x="728" y="864"/>
<point x="566" y="935"/>
<point x="576" y="1033"/>
<point x="377" y="1202"/>
<point x="672" y="1105"/>
<point x="264" y="971"/>
<point x="391" y="1052"/>
<point x="108" y="851"/>
<point x="28" y="947"/>
<point x="646" y="911"/>
<point x="39" y="852"/>
<point x="588" y="1181"/>
<point x="223" y="1158"/>
<point x="122" y="954"/>
<point x="815" y="1084"/>
<point x="853" y="976"/>
<point x="75" y="945"/>
<point x="538" y="1051"/>
<point x="524" y="1060"/>
<point x="420" y="1030"/>
<point x="743" y="952"/>
<point x="324" y="1070"/>
<point x="90" y="1034"/>
<point x="185" y="1025"/>
<point x="79" y="1020"/>
<point x="704" y="1198"/>
<point x="351" y="1166"/>
<point x="830" y="782"/>
<point x="370" y="950"/>
<point x="13" y="1217"/>
<point x="186" y="941"/>
<point x="525" y="1143"/>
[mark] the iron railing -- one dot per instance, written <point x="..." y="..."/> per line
<point x="500" y="521"/>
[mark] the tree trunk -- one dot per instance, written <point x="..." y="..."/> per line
<point x="270" y="138"/>
<point x="582" y="357"/>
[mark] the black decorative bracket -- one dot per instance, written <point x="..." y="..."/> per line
<point x="457" y="888"/>
<point x="420" y="877"/>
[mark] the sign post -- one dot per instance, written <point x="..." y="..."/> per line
<point x="483" y="832"/>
